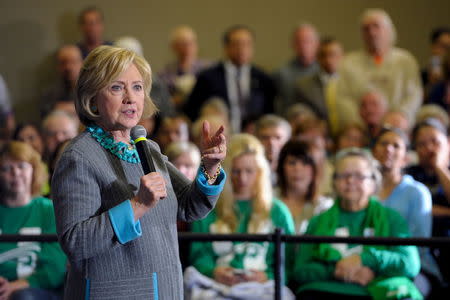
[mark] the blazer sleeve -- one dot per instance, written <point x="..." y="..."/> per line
<point x="83" y="232"/>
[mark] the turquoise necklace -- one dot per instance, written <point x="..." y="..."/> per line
<point x="119" y="149"/>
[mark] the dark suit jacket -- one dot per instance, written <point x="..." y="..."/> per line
<point x="310" y="91"/>
<point x="211" y="83"/>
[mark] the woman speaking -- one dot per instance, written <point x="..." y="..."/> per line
<point x="116" y="224"/>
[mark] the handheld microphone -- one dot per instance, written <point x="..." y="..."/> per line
<point x="139" y="136"/>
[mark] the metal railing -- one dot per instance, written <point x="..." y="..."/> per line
<point x="276" y="237"/>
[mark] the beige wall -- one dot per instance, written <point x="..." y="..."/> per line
<point x="31" y="30"/>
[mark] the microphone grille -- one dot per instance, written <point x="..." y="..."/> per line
<point x="138" y="131"/>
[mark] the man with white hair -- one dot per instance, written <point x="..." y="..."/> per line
<point x="392" y="71"/>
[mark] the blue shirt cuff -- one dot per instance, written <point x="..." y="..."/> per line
<point x="206" y="188"/>
<point x="122" y="221"/>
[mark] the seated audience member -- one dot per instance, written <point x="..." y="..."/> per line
<point x="57" y="127"/>
<point x="185" y="156"/>
<point x="273" y="132"/>
<point x="431" y="143"/>
<point x="298" y="112"/>
<point x="314" y="133"/>
<point x="28" y="270"/>
<point x="62" y="92"/>
<point x="398" y="119"/>
<point x="305" y="42"/>
<point x="372" y="108"/>
<point x="351" y="136"/>
<point x="180" y="75"/>
<point x="91" y="22"/>
<point x="7" y="120"/>
<point x="392" y="71"/>
<point x="440" y="44"/>
<point x="408" y="197"/>
<point x="246" y="89"/>
<point x="440" y="92"/>
<point x="298" y="184"/>
<point x="31" y="134"/>
<point x="433" y="111"/>
<point x="318" y="89"/>
<point x="216" y="107"/>
<point x="246" y="206"/>
<point x="172" y="129"/>
<point x="351" y="271"/>
<point x="159" y="92"/>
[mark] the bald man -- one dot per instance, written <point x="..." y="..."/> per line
<point x="392" y="71"/>
<point x="180" y="75"/>
<point x="68" y="65"/>
<point x="305" y="43"/>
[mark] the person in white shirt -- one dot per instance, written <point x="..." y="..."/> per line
<point x="391" y="70"/>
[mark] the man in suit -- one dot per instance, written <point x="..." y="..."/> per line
<point x="247" y="90"/>
<point x="315" y="90"/>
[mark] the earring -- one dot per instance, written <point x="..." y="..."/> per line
<point x="94" y="109"/>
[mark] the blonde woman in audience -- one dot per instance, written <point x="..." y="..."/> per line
<point x="28" y="270"/>
<point x="298" y="184"/>
<point x="246" y="206"/>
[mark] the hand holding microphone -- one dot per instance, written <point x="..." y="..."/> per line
<point x="152" y="185"/>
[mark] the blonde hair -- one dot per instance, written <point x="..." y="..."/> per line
<point x="227" y="221"/>
<point x="176" y="149"/>
<point x="23" y="152"/>
<point x="102" y="66"/>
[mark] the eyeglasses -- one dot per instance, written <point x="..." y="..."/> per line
<point x="355" y="176"/>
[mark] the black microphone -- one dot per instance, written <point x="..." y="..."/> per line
<point x="139" y="136"/>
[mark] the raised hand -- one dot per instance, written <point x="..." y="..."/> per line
<point x="213" y="148"/>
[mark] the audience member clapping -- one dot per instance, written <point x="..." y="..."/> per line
<point x="27" y="270"/>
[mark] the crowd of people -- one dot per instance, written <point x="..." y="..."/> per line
<point x="331" y="143"/>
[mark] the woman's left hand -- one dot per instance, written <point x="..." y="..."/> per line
<point x="346" y="267"/>
<point x="213" y="148"/>
<point x="255" y="275"/>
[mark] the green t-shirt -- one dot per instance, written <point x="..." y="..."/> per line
<point x="41" y="264"/>
<point x="205" y="257"/>
<point x="391" y="261"/>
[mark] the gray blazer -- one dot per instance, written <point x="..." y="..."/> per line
<point x="87" y="182"/>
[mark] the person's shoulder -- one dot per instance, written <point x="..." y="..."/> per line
<point x="403" y="55"/>
<point x="82" y="144"/>
<point x="413" y="184"/>
<point x="42" y="203"/>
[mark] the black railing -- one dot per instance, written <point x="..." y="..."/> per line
<point x="277" y="238"/>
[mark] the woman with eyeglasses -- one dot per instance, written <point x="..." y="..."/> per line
<point x="350" y="271"/>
